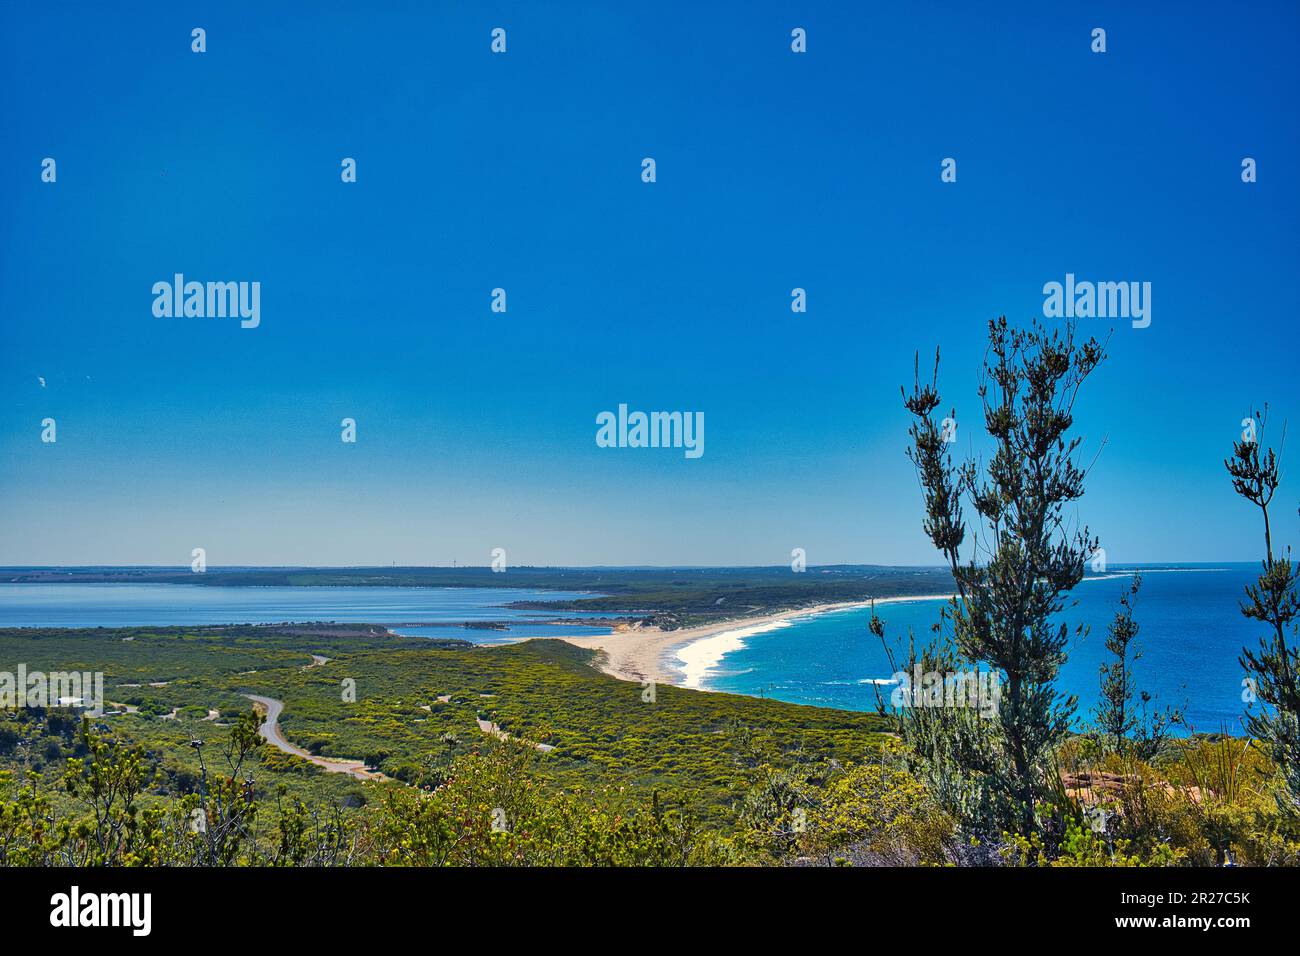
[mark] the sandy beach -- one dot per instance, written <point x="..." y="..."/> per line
<point x="649" y="654"/>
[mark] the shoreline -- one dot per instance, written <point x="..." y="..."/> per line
<point x="642" y="654"/>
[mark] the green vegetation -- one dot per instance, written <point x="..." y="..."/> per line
<point x="666" y="772"/>
<point x="685" y="778"/>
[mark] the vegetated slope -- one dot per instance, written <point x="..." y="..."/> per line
<point x="410" y="706"/>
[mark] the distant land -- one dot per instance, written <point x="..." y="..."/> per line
<point x="667" y="597"/>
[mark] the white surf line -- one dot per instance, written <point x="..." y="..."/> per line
<point x="694" y="660"/>
<point x="1114" y="575"/>
<point x="699" y="657"/>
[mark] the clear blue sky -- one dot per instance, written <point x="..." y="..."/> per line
<point x="522" y="170"/>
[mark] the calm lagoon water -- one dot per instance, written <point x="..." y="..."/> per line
<point x="1191" y="634"/>
<point x="126" y="605"/>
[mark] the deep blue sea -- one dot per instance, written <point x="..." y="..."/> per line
<point x="403" y="609"/>
<point x="1192" y="632"/>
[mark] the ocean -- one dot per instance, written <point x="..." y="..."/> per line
<point x="1192" y="632"/>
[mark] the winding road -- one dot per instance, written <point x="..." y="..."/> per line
<point x="270" y="731"/>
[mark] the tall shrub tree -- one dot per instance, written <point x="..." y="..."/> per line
<point x="1024" y="558"/>
<point x="1128" y="729"/>
<point x="1273" y="601"/>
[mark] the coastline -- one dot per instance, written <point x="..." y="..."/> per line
<point x="650" y="654"/>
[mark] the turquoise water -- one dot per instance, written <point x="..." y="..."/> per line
<point x="403" y="609"/>
<point x="1191" y="634"/>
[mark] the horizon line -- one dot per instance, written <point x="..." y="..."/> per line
<point x="531" y="567"/>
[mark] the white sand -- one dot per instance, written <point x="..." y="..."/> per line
<point x="684" y="656"/>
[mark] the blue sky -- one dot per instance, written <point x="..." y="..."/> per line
<point x="775" y="170"/>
